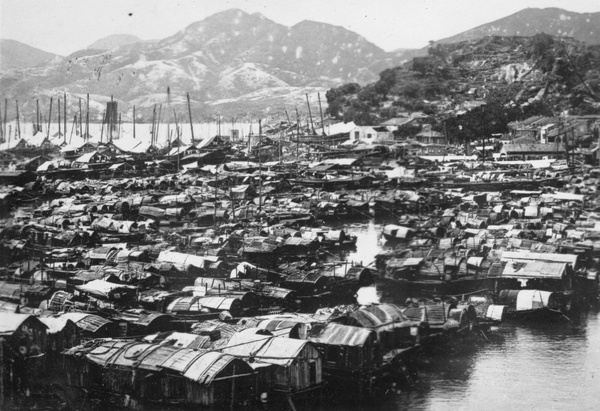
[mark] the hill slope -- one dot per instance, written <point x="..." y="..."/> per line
<point x="531" y="21"/>
<point x="17" y="55"/>
<point x="113" y="41"/>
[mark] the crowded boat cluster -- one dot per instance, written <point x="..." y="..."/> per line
<point x="224" y="284"/>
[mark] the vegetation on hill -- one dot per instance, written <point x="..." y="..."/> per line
<point x="475" y="88"/>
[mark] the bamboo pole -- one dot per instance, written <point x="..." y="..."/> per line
<point x="134" y="122"/>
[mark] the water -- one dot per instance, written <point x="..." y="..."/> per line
<point x="525" y="367"/>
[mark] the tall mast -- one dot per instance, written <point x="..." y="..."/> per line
<point x="322" y="122"/>
<point x="169" y="118"/>
<point x="80" y="119"/>
<point x="87" y="118"/>
<point x="297" y="133"/>
<point x="312" y="127"/>
<point x="37" y="116"/>
<point x="59" y="119"/>
<point x="153" y="120"/>
<point x="18" y="123"/>
<point x="259" y="163"/>
<point x="133" y="121"/>
<point x="73" y="127"/>
<point x="158" y="122"/>
<point x="65" y="116"/>
<point x="1" y="127"/>
<point x="5" y="114"/>
<point x="102" y="126"/>
<point x="190" y="114"/>
<point x="49" y="118"/>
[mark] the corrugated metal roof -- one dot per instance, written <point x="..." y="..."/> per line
<point x="534" y="269"/>
<point x="103" y="353"/>
<point x="154" y="359"/>
<point x="131" y="355"/>
<point x="87" y="322"/>
<point x="337" y="334"/>
<point x="181" y="360"/>
<point x="208" y="365"/>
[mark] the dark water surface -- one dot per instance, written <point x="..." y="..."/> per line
<point x="525" y="367"/>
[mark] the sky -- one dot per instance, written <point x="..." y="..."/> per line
<point x="65" y="26"/>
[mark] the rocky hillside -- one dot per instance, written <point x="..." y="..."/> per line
<point x="229" y="58"/>
<point x="480" y="84"/>
<point x="113" y="41"/>
<point x="244" y="65"/>
<point x="17" y="55"/>
<point x="529" y="22"/>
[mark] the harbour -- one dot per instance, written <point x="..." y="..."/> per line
<point x="246" y="214"/>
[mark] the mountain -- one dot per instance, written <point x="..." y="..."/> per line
<point x="531" y="21"/>
<point x="236" y="63"/>
<point x="221" y="60"/>
<point x="17" y="55"/>
<point x="478" y="86"/>
<point x="113" y="41"/>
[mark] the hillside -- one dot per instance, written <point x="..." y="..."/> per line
<point x="480" y="84"/>
<point x="220" y="59"/>
<point x="529" y="22"/>
<point x="17" y="55"/>
<point x="235" y="64"/>
<point x="113" y="41"/>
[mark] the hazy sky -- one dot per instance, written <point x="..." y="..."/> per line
<point x="65" y="26"/>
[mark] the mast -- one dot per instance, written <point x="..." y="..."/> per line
<point x="119" y="131"/>
<point x="87" y="118"/>
<point x="18" y="123"/>
<point x="65" y="116"/>
<point x="312" y="126"/>
<point x="259" y="164"/>
<point x="80" y="118"/>
<point x="37" y="115"/>
<point x="153" y="120"/>
<point x="5" y="114"/>
<point x="322" y="122"/>
<point x="1" y="127"/>
<point x="297" y="134"/>
<point x="74" y="126"/>
<point x="133" y="121"/>
<point x="158" y="122"/>
<point x="190" y="114"/>
<point x="169" y="118"/>
<point x="102" y="126"/>
<point x="49" y="118"/>
<point x="59" y="119"/>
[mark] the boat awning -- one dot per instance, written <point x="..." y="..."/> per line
<point x="534" y="269"/>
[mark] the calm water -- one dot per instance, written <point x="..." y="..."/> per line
<point x="526" y="367"/>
